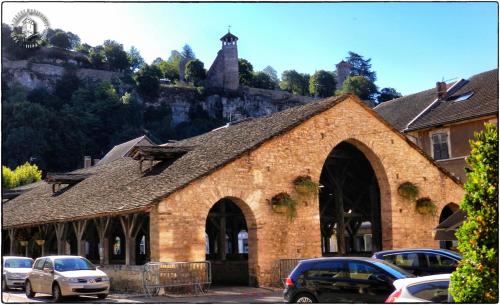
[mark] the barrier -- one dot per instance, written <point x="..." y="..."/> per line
<point x="286" y="266"/>
<point x="158" y="275"/>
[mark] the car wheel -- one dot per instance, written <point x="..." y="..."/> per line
<point x="102" y="296"/>
<point x="56" y="293"/>
<point x="29" y="290"/>
<point x="4" y="284"/>
<point x="304" y="298"/>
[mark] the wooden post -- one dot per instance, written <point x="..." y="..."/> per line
<point x="222" y="246"/>
<point x="61" y="237"/>
<point x="12" y="237"/>
<point x="79" y="227"/>
<point x="102" y="225"/>
<point x="131" y="224"/>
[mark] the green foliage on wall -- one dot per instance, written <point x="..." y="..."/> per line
<point x="476" y="278"/>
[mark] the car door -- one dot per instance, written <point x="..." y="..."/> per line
<point x="439" y="264"/>
<point x="329" y="281"/>
<point x="35" y="275"/>
<point x="369" y="283"/>
<point x="47" y="277"/>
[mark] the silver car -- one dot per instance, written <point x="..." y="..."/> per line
<point x="15" y="271"/>
<point x="64" y="275"/>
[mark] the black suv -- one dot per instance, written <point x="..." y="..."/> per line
<point x="342" y="280"/>
<point x="422" y="261"/>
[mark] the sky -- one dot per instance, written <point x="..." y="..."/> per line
<point x="411" y="45"/>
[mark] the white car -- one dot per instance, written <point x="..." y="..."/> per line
<point x="430" y="289"/>
<point x="15" y="271"/>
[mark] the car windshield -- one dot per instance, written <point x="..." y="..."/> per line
<point x="393" y="269"/>
<point x="18" y="263"/>
<point x="72" y="263"/>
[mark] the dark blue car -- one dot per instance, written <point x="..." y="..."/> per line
<point x="342" y="280"/>
<point x="422" y="261"/>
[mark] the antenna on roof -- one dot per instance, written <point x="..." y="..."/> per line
<point x="449" y="79"/>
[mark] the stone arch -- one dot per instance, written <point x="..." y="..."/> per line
<point x="446" y="212"/>
<point x="251" y="229"/>
<point x="382" y="192"/>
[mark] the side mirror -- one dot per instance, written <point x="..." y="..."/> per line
<point x="48" y="270"/>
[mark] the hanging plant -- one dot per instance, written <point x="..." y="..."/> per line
<point x="304" y="186"/>
<point x="284" y="203"/>
<point x="408" y="190"/>
<point x="425" y="206"/>
<point x="39" y="238"/>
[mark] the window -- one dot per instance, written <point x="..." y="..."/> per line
<point x="328" y="270"/>
<point x="440" y="146"/>
<point x="403" y="259"/>
<point x="464" y="97"/>
<point x="360" y="271"/>
<point x="39" y="264"/>
<point x="48" y="264"/>
<point x="436" y="292"/>
<point x="437" y="261"/>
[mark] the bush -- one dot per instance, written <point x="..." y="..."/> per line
<point x="23" y="174"/>
<point x="476" y="278"/>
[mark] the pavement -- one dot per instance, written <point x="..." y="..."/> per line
<point x="221" y="295"/>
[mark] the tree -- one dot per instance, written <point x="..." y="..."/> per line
<point x="83" y="48"/>
<point x="148" y="81"/>
<point x="116" y="57"/>
<point x="294" y="82"/>
<point x="272" y="74"/>
<point x="23" y="174"/>
<point x="262" y="80"/>
<point x="359" y="85"/>
<point x="195" y="71"/>
<point x="322" y="84"/>
<point x="169" y="71"/>
<point x="96" y="57"/>
<point x="135" y="59"/>
<point x="246" y="72"/>
<point x="60" y="40"/>
<point x="187" y="52"/>
<point x="361" y="66"/>
<point x="387" y="94"/>
<point x="476" y="277"/>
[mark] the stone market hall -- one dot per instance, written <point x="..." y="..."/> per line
<point x="315" y="180"/>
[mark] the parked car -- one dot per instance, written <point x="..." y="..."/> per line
<point x="422" y="261"/>
<point x="15" y="270"/>
<point x="342" y="280"/>
<point x="432" y="288"/>
<point x="64" y="275"/>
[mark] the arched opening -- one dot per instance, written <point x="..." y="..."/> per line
<point x="446" y="212"/>
<point x="224" y="226"/>
<point x="349" y="201"/>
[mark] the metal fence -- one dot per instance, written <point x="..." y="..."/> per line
<point x="286" y="266"/>
<point x="196" y="276"/>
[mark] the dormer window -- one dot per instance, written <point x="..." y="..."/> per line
<point x="464" y="97"/>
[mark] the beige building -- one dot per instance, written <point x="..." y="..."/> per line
<point x="235" y="196"/>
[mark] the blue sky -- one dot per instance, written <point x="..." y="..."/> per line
<point x="412" y="45"/>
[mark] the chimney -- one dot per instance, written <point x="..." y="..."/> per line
<point x="441" y="90"/>
<point x="87" y="161"/>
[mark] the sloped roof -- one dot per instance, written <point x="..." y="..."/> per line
<point x="119" y="187"/>
<point x="123" y="149"/>
<point x="401" y="111"/>
<point x="483" y="102"/>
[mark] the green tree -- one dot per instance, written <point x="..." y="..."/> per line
<point x="387" y="94"/>
<point x="83" y="48"/>
<point x="359" y="85"/>
<point x="60" y="40"/>
<point x="262" y="80"/>
<point x="195" y="71"/>
<point x="148" y="81"/>
<point x="169" y="70"/>
<point x="135" y="59"/>
<point x="8" y="178"/>
<point x="187" y="52"/>
<point x="476" y="277"/>
<point x="322" y="84"/>
<point x="246" y="72"/>
<point x="97" y="57"/>
<point x="295" y="82"/>
<point x="23" y="174"/>
<point x="361" y="66"/>
<point x="273" y="75"/>
<point x="116" y="57"/>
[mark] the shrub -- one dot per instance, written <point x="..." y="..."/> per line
<point x="425" y="206"/>
<point x="476" y="278"/>
<point x="408" y="190"/>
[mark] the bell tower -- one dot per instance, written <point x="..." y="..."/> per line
<point x="230" y="54"/>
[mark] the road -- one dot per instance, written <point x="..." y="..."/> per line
<point x="223" y="295"/>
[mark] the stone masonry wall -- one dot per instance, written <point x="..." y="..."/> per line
<point x="178" y="222"/>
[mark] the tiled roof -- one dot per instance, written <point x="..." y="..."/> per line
<point x="483" y="102"/>
<point x="118" y="187"/>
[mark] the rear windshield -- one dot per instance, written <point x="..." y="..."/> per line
<point x="397" y="272"/>
<point x="18" y="263"/>
<point x="72" y="263"/>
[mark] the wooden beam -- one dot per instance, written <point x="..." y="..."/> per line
<point x="61" y="231"/>
<point x="131" y="226"/>
<point x="12" y="237"/>
<point x="102" y="225"/>
<point x="79" y="227"/>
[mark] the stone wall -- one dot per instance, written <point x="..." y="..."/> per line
<point x="124" y="278"/>
<point x="178" y="222"/>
